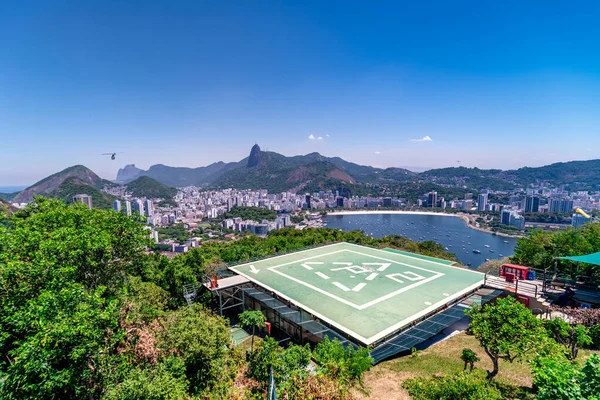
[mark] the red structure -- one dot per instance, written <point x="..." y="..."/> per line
<point x="518" y="271"/>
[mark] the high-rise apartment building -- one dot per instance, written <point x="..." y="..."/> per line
<point x="149" y="208"/>
<point x="482" y="201"/>
<point x="432" y="199"/>
<point x="127" y="208"/>
<point x="532" y="204"/>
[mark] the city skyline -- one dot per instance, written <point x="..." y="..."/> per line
<point x="494" y="86"/>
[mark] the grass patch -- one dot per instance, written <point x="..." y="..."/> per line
<point x="514" y="380"/>
<point x="385" y="379"/>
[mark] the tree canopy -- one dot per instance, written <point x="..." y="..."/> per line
<point x="251" y="213"/>
<point x="506" y="330"/>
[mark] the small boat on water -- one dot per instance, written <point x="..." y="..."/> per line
<point x="501" y="255"/>
<point x="477" y="251"/>
<point x="469" y="243"/>
<point x="487" y="259"/>
<point x="506" y="241"/>
<point x="487" y="245"/>
<point x="445" y="248"/>
<point x="491" y="250"/>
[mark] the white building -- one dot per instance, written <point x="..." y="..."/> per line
<point x="149" y="208"/>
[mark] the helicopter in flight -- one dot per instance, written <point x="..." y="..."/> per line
<point x="113" y="156"/>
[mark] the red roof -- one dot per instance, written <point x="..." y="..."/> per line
<point x="515" y="266"/>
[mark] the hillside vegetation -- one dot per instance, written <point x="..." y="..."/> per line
<point x="73" y="185"/>
<point x="251" y="213"/>
<point x="145" y="186"/>
<point x="50" y="184"/>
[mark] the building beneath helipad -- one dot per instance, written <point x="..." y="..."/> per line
<point x="386" y="299"/>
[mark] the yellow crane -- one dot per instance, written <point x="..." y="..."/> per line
<point x="581" y="212"/>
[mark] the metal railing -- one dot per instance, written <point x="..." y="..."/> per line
<point x="527" y="288"/>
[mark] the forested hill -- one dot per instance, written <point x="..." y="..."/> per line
<point x="73" y="185"/>
<point x="145" y="186"/>
<point x="66" y="183"/>
<point x="576" y="173"/>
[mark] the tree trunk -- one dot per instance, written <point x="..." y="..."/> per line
<point x="491" y="374"/>
<point x="472" y="366"/>
<point x="465" y="368"/>
<point x="494" y="371"/>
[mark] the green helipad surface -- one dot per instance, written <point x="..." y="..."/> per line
<point x="367" y="293"/>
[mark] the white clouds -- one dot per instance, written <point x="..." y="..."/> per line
<point x="311" y="137"/>
<point x="327" y="135"/>
<point x="424" y="139"/>
<point x="377" y="152"/>
<point x="320" y="138"/>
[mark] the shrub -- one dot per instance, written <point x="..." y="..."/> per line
<point x="452" y="387"/>
<point x="469" y="357"/>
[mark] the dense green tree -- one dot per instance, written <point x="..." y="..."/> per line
<point x="200" y="339"/>
<point x="166" y="381"/>
<point x="345" y="364"/>
<point x="556" y="378"/>
<point x="506" y="330"/>
<point x="571" y="336"/>
<point x="286" y="363"/>
<point x="540" y="248"/>
<point x="61" y="270"/>
<point x="176" y="232"/>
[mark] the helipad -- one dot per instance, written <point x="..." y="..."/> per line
<point x="363" y="292"/>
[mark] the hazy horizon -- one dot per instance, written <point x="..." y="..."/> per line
<point x="501" y="85"/>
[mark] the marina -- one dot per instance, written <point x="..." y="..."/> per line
<point x="450" y="232"/>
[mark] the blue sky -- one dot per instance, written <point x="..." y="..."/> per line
<point x="492" y="84"/>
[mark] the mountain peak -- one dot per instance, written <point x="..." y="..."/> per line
<point x="128" y="173"/>
<point x="255" y="156"/>
<point x="51" y="184"/>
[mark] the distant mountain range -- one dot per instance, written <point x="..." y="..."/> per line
<point x="307" y="173"/>
<point x="273" y="171"/>
<point x="270" y="170"/>
<point x="81" y="180"/>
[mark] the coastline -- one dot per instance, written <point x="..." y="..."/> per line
<point x="462" y="216"/>
<point x="362" y="212"/>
